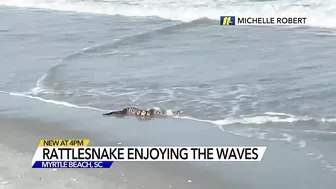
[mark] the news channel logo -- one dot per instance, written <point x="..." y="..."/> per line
<point x="284" y="20"/>
<point x="227" y="20"/>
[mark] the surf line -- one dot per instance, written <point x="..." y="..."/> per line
<point x="66" y="104"/>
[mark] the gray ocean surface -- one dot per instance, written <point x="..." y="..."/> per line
<point x="271" y="86"/>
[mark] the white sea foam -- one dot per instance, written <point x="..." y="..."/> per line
<point x="39" y="88"/>
<point x="328" y="120"/>
<point x="319" y="13"/>
<point x="67" y="104"/>
<point x="281" y="135"/>
<point x="55" y="102"/>
<point x="257" y="120"/>
<point x="280" y="114"/>
<point x="302" y="143"/>
<point x="260" y="119"/>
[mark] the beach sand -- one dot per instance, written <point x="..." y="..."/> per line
<point x="20" y="140"/>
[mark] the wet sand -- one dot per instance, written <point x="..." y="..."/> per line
<point x="20" y="140"/>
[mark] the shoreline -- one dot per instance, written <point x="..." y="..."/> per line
<point x="34" y="120"/>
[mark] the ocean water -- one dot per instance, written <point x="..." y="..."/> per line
<point x="268" y="84"/>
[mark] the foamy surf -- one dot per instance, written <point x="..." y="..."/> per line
<point x="244" y="120"/>
<point x="258" y="133"/>
<point x="280" y="114"/>
<point x="70" y="105"/>
<point x="54" y="101"/>
<point x="250" y="132"/>
<point x="319" y="14"/>
<point x="39" y="88"/>
<point x="258" y="120"/>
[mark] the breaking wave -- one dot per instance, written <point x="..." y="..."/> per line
<point x="319" y="13"/>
